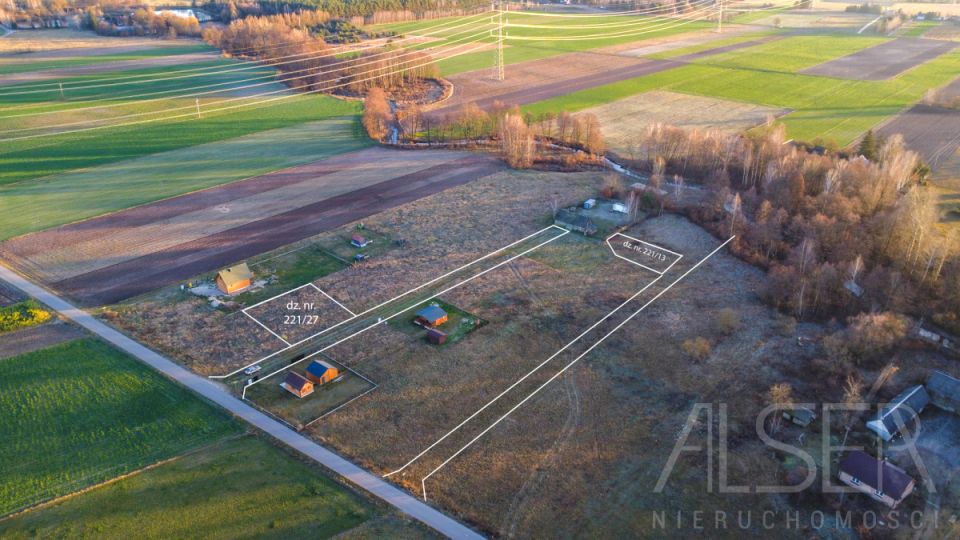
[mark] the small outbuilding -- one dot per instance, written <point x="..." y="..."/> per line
<point x="359" y="241"/>
<point x="800" y="416"/>
<point x="881" y="480"/>
<point x="431" y="316"/>
<point x="899" y="413"/>
<point x="297" y="385"/>
<point x="575" y="222"/>
<point x="944" y="391"/>
<point x="320" y="372"/>
<point x="437" y="337"/>
<point x="234" y="279"/>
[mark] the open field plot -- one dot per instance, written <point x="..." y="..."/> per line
<point x="82" y="412"/>
<point x="582" y="457"/>
<point x="947" y="31"/>
<point x="73" y="41"/>
<point x="36" y="67"/>
<point x="624" y="121"/>
<point x="526" y="47"/>
<point x="688" y="41"/>
<point x="822" y="107"/>
<point x="835" y="21"/>
<point x="35" y="205"/>
<point x="883" y="61"/>
<point x="159" y="130"/>
<point x="299" y="313"/>
<point x="37" y="337"/>
<point x="793" y="54"/>
<point x="441" y="232"/>
<point x="234" y="488"/>
<point x="934" y="132"/>
<point x="131" y="252"/>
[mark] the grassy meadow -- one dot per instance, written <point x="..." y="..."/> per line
<point x="82" y="412"/>
<point x="236" y="488"/>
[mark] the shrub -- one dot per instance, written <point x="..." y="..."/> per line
<point x="728" y="321"/>
<point x="22" y="315"/>
<point x="698" y="348"/>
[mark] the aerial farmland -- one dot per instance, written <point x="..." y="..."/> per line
<point x="454" y="269"/>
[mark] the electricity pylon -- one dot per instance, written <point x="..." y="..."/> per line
<point x="498" y="69"/>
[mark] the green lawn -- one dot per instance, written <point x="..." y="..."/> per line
<point x="16" y="64"/>
<point x="918" y="28"/>
<point x="522" y="50"/>
<point x="82" y="412"/>
<point x="34" y="205"/>
<point x="237" y="488"/>
<point x="822" y="107"/>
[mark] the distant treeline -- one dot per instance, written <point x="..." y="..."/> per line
<point x="371" y="11"/>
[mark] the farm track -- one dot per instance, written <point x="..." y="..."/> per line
<point x="539" y="80"/>
<point x="142" y="274"/>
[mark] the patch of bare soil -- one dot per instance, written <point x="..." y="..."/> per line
<point x="36" y="338"/>
<point x="105" y="67"/>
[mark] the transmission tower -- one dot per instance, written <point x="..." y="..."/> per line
<point x="498" y="69"/>
<point x="720" y="18"/>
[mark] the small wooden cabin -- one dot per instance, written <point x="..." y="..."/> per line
<point x="234" y="279"/>
<point x="359" y="241"/>
<point x="297" y="385"/>
<point x="436" y="337"/>
<point x="321" y="372"/>
<point x="431" y="316"/>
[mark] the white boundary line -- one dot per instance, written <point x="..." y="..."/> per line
<point x="334" y="300"/>
<point x="384" y="320"/>
<point x="423" y="483"/>
<point x="488" y="255"/>
<point x="254" y="319"/>
<point x="534" y="370"/>
<point x="661" y="248"/>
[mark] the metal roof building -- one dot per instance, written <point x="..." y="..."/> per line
<point x="899" y="413"/>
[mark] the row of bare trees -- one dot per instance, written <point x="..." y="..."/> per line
<point x="306" y="62"/>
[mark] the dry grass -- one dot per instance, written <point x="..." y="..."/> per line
<point x="75" y="41"/>
<point x="624" y="121"/>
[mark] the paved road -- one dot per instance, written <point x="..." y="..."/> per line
<point x="371" y="483"/>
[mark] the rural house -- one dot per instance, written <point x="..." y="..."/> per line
<point x="944" y="391"/>
<point x="234" y="279"/>
<point x="575" y="222"/>
<point x="431" y="316"/>
<point x="800" y="416"/>
<point x="321" y="372"/>
<point x="437" y="337"/>
<point x="359" y="241"/>
<point x="881" y="480"/>
<point x="297" y="385"/>
<point x="899" y="413"/>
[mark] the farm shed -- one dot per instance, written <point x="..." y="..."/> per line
<point x="575" y="222"/>
<point x="359" y="241"/>
<point x="234" y="279"/>
<point x="436" y="337"/>
<point x="321" y="372"/>
<point x="800" y="416"/>
<point x="898" y="413"/>
<point x="944" y="391"/>
<point x="297" y="384"/>
<point x="881" y="480"/>
<point x="432" y="316"/>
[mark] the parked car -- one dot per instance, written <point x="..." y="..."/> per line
<point x="251" y="370"/>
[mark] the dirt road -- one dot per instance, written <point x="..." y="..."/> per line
<point x="351" y="473"/>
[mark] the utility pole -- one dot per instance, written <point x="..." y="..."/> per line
<point x="198" y="107"/>
<point x="62" y="97"/>
<point x="498" y="68"/>
<point x="720" y="18"/>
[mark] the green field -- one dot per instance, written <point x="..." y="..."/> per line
<point x="237" y="488"/>
<point x="42" y="203"/>
<point x="520" y="49"/>
<point x="82" y="412"/>
<point x="14" y="64"/>
<point x="822" y="107"/>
